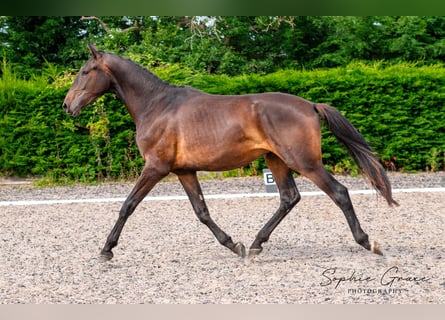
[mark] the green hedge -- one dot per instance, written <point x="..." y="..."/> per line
<point x="399" y="109"/>
<point x="38" y="138"/>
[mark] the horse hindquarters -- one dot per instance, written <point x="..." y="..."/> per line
<point x="300" y="149"/>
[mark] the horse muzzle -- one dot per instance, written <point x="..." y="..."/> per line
<point x="71" y="111"/>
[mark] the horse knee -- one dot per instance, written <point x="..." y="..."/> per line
<point x="127" y="209"/>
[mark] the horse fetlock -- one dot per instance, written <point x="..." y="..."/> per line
<point x="363" y="240"/>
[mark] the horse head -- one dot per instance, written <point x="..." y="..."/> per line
<point x="92" y="82"/>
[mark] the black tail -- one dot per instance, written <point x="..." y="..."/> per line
<point x="359" y="149"/>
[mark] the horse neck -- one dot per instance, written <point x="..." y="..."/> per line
<point x="134" y="86"/>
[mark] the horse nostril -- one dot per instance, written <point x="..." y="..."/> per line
<point x="65" y="106"/>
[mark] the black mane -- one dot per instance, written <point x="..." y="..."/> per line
<point x="153" y="78"/>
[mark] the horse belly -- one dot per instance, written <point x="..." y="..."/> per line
<point x="212" y="159"/>
<point x="218" y="148"/>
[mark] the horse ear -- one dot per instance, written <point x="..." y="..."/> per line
<point x="94" y="52"/>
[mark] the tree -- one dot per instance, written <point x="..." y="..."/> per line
<point x="224" y="45"/>
<point x="231" y="45"/>
<point x="31" y="41"/>
<point x="389" y="38"/>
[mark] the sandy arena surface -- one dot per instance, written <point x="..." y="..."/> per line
<point x="49" y="253"/>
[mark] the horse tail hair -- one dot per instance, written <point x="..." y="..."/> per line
<point x="358" y="148"/>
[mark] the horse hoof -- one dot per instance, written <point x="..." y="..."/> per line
<point x="375" y="248"/>
<point x="105" y="256"/>
<point x="254" y="252"/>
<point x="240" y="250"/>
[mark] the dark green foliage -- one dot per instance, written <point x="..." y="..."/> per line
<point x="31" y="41"/>
<point x="398" y="108"/>
<point x="230" y="45"/>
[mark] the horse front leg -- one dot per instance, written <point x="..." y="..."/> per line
<point x="192" y="187"/>
<point x="147" y="180"/>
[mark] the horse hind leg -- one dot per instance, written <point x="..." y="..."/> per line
<point x="193" y="189"/>
<point x="340" y="195"/>
<point x="289" y="197"/>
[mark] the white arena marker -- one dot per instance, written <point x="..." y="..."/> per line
<point x="269" y="181"/>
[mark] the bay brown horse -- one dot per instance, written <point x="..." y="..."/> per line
<point x="183" y="130"/>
